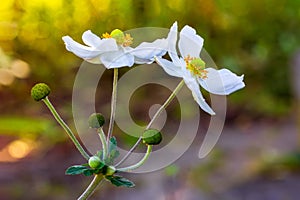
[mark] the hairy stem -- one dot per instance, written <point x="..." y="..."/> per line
<point x="158" y="112"/>
<point x="140" y="163"/>
<point x="66" y="128"/>
<point x="103" y="142"/>
<point x="113" y="106"/>
<point x="91" y="188"/>
<point x="167" y="102"/>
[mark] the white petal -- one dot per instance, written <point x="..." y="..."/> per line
<point x="137" y="60"/>
<point x="104" y="45"/>
<point x="190" y="43"/>
<point x="172" y="41"/>
<point x="107" y="45"/>
<point x="169" y="67"/>
<point x="221" y="82"/>
<point x="142" y="61"/>
<point x="117" y="59"/>
<point x="147" y="51"/>
<point x="91" y="39"/>
<point x="80" y="50"/>
<point x="95" y="60"/>
<point x="194" y="87"/>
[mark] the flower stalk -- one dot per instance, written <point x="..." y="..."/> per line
<point x="165" y="105"/>
<point x="156" y="115"/>
<point x="66" y="128"/>
<point x="138" y="164"/>
<point x="91" y="188"/>
<point x="103" y="142"/>
<point x="113" y="106"/>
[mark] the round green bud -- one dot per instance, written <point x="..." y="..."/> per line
<point x="94" y="162"/>
<point x="152" y="137"/>
<point x="40" y="91"/>
<point x="96" y="120"/>
<point x="110" y="170"/>
<point x="118" y="35"/>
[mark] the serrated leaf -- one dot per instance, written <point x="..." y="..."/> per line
<point x="76" y="169"/>
<point x="120" y="181"/>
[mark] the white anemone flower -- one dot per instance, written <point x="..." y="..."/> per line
<point x="113" y="50"/>
<point x="192" y="69"/>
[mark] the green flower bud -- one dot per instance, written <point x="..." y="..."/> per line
<point x="40" y="91"/>
<point x="96" y="120"/>
<point x="152" y="137"/>
<point x="94" y="162"/>
<point x="110" y="170"/>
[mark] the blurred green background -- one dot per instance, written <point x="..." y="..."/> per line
<point x="258" y="38"/>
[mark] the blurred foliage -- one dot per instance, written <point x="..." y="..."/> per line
<point x="30" y="128"/>
<point x="282" y="165"/>
<point x="256" y="38"/>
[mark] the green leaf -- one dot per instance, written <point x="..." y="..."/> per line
<point x="100" y="166"/>
<point x="88" y="172"/>
<point x="112" y="151"/>
<point x="99" y="154"/>
<point x="112" y="144"/>
<point x="114" y="154"/>
<point x="120" y="181"/>
<point x="99" y="170"/>
<point x="76" y="169"/>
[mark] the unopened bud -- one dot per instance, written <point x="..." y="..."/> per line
<point x="152" y="137"/>
<point x="40" y="91"/>
<point x="96" y="120"/>
<point x="94" y="162"/>
<point x="110" y="170"/>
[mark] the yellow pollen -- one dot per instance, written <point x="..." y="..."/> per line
<point x="106" y="35"/>
<point x="196" y="66"/>
<point x="127" y="40"/>
<point x="122" y="39"/>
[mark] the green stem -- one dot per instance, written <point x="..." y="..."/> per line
<point x="167" y="102"/>
<point x="113" y="106"/>
<point x="103" y="141"/>
<point x="158" y="112"/>
<point x="140" y="163"/>
<point x="66" y="128"/>
<point x="91" y="188"/>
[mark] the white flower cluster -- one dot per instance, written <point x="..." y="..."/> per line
<point x="114" y="51"/>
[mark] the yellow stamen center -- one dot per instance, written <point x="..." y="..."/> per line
<point x="106" y="35"/>
<point x="196" y="66"/>
<point x="121" y="38"/>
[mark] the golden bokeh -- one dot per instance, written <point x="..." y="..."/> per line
<point x="6" y="77"/>
<point x="17" y="150"/>
<point x="20" y="69"/>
